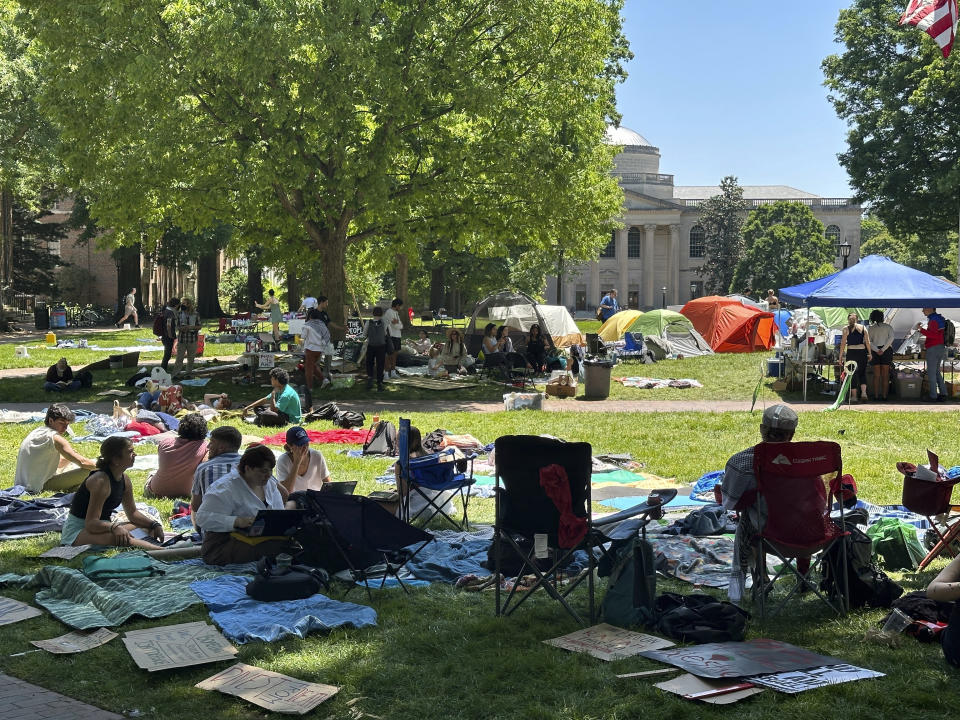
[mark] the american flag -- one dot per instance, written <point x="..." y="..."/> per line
<point x="937" y="18"/>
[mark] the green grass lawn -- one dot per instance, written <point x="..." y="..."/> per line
<point x="440" y="653"/>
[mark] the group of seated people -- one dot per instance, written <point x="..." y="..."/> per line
<point x="499" y="353"/>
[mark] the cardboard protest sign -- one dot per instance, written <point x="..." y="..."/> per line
<point x="739" y="659"/>
<point x="65" y="552"/>
<point x="715" y="692"/>
<point x="800" y="680"/>
<point x="12" y="611"/>
<point x="74" y="642"/>
<point x="607" y="642"/>
<point x="270" y="690"/>
<point x="175" y="646"/>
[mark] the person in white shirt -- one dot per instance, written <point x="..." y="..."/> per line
<point x="308" y="304"/>
<point x="129" y="308"/>
<point x="300" y="468"/>
<point x="391" y="319"/>
<point x="46" y="460"/>
<point x="316" y="342"/>
<point x="881" y="339"/>
<point x="223" y="454"/>
<point x="231" y="504"/>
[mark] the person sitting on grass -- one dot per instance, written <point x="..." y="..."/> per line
<point x="46" y="461"/>
<point x="300" y="468"/>
<point x="282" y="406"/>
<point x="537" y="349"/>
<point x="946" y="588"/>
<point x="60" y="378"/>
<point x="104" y="490"/>
<point x="223" y="454"/>
<point x="435" y="368"/>
<point x="231" y="504"/>
<point x="423" y="343"/>
<point x="178" y="459"/>
<point x="454" y="356"/>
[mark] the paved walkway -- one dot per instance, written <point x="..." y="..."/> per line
<point x="20" y="700"/>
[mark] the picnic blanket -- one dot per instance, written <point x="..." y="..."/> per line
<point x="428" y="383"/>
<point x="21" y="416"/>
<point x="343" y="437"/>
<point x="699" y="560"/>
<point x="83" y="604"/>
<point x="243" y="619"/>
<point x="658" y="383"/>
<point x="30" y="517"/>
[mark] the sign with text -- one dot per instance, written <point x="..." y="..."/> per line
<point x="12" y="611"/>
<point x="608" y="642"/>
<point x="175" y="646"/>
<point x="270" y="690"/>
<point x="74" y="642"/>
<point x="265" y="360"/>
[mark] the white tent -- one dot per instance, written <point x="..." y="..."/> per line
<point x="559" y="324"/>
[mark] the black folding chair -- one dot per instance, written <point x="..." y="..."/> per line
<point x="526" y="466"/>
<point x="369" y="540"/>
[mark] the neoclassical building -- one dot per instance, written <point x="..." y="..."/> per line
<point x="656" y="254"/>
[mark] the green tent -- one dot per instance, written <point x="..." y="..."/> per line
<point x="835" y="317"/>
<point x="654" y="322"/>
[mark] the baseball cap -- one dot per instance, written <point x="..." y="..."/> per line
<point x="297" y="436"/>
<point x="780" y="417"/>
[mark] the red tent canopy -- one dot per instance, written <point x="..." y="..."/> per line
<point x="730" y="326"/>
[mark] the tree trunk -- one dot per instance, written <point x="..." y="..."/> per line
<point x="6" y="236"/>
<point x="331" y="246"/>
<point x="437" y="287"/>
<point x="254" y="277"/>
<point x="208" y="283"/>
<point x="560" y="279"/>
<point x="403" y="271"/>
<point x="293" y="287"/>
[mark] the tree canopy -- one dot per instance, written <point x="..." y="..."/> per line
<point x="721" y="218"/>
<point x="931" y="252"/>
<point x="338" y="123"/>
<point x="784" y="245"/>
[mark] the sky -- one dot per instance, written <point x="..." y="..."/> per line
<point x="734" y="87"/>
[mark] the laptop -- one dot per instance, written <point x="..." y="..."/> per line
<point x="339" y="488"/>
<point x="275" y="523"/>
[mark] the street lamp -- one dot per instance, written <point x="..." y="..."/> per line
<point x="845" y="248"/>
<point x="663" y="297"/>
<point x="693" y="290"/>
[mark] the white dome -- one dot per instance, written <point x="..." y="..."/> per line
<point x="625" y="136"/>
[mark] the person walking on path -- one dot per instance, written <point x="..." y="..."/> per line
<point x="609" y="305"/>
<point x="273" y="305"/>
<point x="171" y="322"/>
<point x="855" y="342"/>
<point x="935" y="353"/>
<point x="188" y="330"/>
<point x="130" y="308"/>
<point x="395" y="331"/>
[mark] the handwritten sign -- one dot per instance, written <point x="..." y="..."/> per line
<point x="65" y="552"/>
<point x="74" y="642"/>
<point x="607" y="642"/>
<point x="354" y="326"/>
<point x="12" y="611"/>
<point x="265" y="360"/>
<point x="800" y="680"/>
<point x="715" y="692"/>
<point x="270" y="690"/>
<point x="176" y="646"/>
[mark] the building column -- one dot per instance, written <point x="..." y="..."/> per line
<point x="675" y="263"/>
<point x="593" y="288"/>
<point x="650" y="231"/>
<point x="623" y="278"/>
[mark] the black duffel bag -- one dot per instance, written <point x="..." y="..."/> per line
<point x="699" y="618"/>
<point x="295" y="582"/>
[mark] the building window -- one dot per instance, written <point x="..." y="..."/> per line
<point x="698" y="242"/>
<point x="633" y="243"/>
<point x="581" y="297"/>
<point x="611" y="249"/>
<point x="633" y="299"/>
<point x="833" y="235"/>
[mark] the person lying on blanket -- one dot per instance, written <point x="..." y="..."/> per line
<point x="105" y="489"/>
<point x="46" y="460"/>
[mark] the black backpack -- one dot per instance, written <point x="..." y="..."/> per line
<point x="159" y="325"/>
<point x="869" y="586"/>
<point x="376" y="333"/>
<point x="699" y="618"/>
<point x="949" y="332"/>
<point x="349" y="419"/>
<point x="293" y="583"/>
<point x="632" y="588"/>
<point x="381" y="439"/>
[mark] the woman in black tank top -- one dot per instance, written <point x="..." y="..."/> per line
<point x="104" y="490"/>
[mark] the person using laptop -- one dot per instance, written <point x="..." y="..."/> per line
<point x="231" y="505"/>
<point x="300" y="468"/>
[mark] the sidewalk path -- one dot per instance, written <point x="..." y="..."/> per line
<point x="23" y="701"/>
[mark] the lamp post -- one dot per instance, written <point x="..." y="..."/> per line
<point x="663" y="297"/>
<point x="693" y="291"/>
<point x="845" y="248"/>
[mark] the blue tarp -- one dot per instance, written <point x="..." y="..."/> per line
<point x="875" y="281"/>
<point x="782" y="319"/>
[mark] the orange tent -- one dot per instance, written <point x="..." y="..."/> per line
<point x="729" y="326"/>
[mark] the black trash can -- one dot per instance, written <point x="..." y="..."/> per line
<point x="597" y="379"/>
<point x="41" y="316"/>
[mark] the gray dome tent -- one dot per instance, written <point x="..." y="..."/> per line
<point x="494" y="308"/>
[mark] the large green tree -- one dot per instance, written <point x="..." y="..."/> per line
<point x="784" y="245"/>
<point x="721" y="218"/>
<point x="901" y="99"/>
<point x="933" y="252"/>
<point x="339" y="122"/>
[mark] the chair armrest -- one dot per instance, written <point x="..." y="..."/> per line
<point x="665" y="496"/>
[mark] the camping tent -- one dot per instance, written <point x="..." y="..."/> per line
<point x="782" y="318"/>
<point x="677" y="332"/>
<point x="616" y="325"/>
<point x="875" y="281"/>
<point x="749" y="302"/>
<point x="729" y="326"/>
<point x="519" y="311"/>
<point x="836" y="317"/>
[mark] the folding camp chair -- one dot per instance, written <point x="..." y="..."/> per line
<point x="790" y="483"/>
<point x="931" y="498"/>
<point x="434" y="478"/>
<point x="632" y="348"/>
<point x="366" y="538"/>
<point x="543" y="501"/>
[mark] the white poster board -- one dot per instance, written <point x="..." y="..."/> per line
<point x="74" y="642"/>
<point x="270" y="690"/>
<point x="265" y="360"/>
<point x="295" y="326"/>
<point x="608" y="642"/>
<point x="800" y="680"/>
<point x="12" y="611"/>
<point x="716" y="692"/>
<point x="175" y="646"/>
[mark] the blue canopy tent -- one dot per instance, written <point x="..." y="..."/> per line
<point x="875" y="281"/>
<point x="782" y="319"/>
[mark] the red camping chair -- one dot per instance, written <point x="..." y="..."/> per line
<point x="932" y="499"/>
<point x="790" y="480"/>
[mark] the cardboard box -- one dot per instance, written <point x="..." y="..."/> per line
<point x="908" y="386"/>
<point x="558" y="390"/>
<point x="953" y="389"/>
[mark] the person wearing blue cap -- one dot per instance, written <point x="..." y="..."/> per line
<point x="300" y="468"/>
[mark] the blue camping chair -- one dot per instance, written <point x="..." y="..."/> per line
<point x="434" y="478"/>
<point x="633" y="347"/>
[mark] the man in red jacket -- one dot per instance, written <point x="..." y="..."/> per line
<point x="935" y="352"/>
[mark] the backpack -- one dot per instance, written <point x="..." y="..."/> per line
<point x="868" y="585"/>
<point x="896" y="542"/>
<point x="632" y="588"/>
<point x="293" y="583"/>
<point x="125" y="565"/>
<point x="949" y="332"/>
<point x="699" y="618"/>
<point x="85" y="377"/>
<point x="600" y="314"/>
<point x="159" y="326"/>
<point x="381" y="439"/>
<point x="376" y="333"/>
<point x="349" y="419"/>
